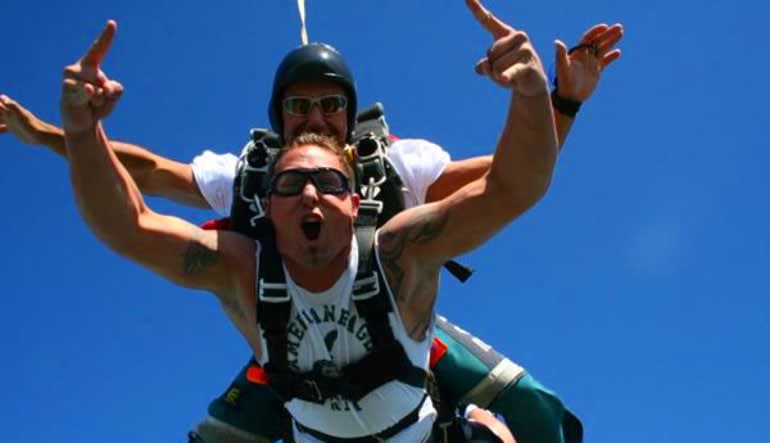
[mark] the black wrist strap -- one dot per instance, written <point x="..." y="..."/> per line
<point x="592" y="47"/>
<point x="565" y="106"/>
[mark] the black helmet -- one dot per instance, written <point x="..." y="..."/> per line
<point x="315" y="61"/>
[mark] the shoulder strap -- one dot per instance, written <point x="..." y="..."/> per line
<point x="387" y="360"/>
<point x="274" y="304"/>
<point x="376" y="178"/>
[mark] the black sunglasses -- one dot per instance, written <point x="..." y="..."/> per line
<point x="326" y="180"/>
<point x="329" y="104"/>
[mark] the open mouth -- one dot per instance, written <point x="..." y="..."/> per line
<point x="311" y="229"/>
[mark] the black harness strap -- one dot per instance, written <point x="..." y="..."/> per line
<point x="274" y="306"/>
<point x="458" y="270"/>
<point x="273" y="312"/>
<point x="373" y="304"/>
<point x="387" y="359"/>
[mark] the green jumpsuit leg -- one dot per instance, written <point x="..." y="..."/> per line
<point x="472" y="372"/>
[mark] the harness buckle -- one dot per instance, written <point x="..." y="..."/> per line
<point x="271" y="292"/>
<point x="370" y="153"/>
<point x="370" y="204"/>
<point x="372" y="188"/>
<point x="366" y="287"/>
<point x="327" y="369"/>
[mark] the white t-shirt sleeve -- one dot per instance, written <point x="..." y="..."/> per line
<point x="215" y="174"/>
<point x="419" y="163"/>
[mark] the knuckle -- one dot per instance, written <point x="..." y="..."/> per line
<point x="522" y="36"/>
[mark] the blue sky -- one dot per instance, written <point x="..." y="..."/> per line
<point x="638" y="288"/>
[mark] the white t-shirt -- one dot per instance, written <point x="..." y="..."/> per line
<point x="326" y="327"/>
<point x="418" y="162"/>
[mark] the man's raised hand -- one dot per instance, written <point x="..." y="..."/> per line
<point x="18" y="121"/>
<point x="511" y="61"/>
<point x="87" y="94"/>
<point x="579" y="72"/>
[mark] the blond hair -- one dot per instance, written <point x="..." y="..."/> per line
<point x="312" y="139"/>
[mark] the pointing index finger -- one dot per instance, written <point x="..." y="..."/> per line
<point x="100" y="46"/>
<point x="488" y="20"/>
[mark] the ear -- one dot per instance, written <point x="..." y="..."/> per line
<point x="355" y="201"/>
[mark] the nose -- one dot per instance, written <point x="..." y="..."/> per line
<point x="309" y="193"/>
<point x="315" y="120"/>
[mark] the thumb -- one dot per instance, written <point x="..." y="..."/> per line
<point x="562" y="61"/>
<point x="12" y="106"/>
<point x="483" y="67"/>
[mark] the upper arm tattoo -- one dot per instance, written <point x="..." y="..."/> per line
<point x="424" y="226"/>
<point x="197" y="256"/>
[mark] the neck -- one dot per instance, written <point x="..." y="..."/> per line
<point x="317" y="278"/>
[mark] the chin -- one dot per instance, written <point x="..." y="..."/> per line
<point x="317" y="257"/>
<point x="305" y="259"/>
<point x="314" y="264"/>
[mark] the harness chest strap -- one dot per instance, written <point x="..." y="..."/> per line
<point x="383" y="435"/>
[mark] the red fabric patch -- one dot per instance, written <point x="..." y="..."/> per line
<point x="223" y="224"/>
<point x="256" y="375"/>
<point x="437" y="351"/>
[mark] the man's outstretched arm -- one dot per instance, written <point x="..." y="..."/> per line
<point x="414" y="244"/>
<point x="112" y="205"/>
<point x="154" y="174"/>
